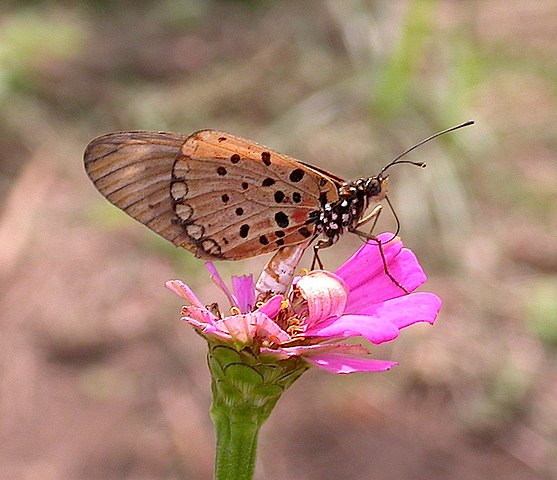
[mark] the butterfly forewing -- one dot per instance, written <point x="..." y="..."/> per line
<point x="133" y="171"/>
<point x="236" y="199"/>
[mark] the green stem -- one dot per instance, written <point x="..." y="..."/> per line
<point x="236" y="433"/>
<point x="245" y="390"/>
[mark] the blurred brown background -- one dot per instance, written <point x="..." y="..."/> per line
<point x="98" y="377"/>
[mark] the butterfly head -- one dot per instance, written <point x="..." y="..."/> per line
<point x="376" y="187"/>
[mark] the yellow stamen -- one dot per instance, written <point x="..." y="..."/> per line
<point x="235" y="311"/>
<point x="295" y="330"/>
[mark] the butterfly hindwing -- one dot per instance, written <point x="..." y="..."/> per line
<point x="133" y="171"/>
<point x="237" y="199"/>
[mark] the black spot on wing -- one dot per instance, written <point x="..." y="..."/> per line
<point x="279" y="196"/>
<point x="296" y="175"/>
<point x="266" y="157"/>
<point x="244" y="230"/>
<point x="281" y="219"/>
<point x="268" y="182"/>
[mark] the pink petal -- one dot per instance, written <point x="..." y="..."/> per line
<point x="319" y="349"/>
<point x="201" y="315"/>
<point x="325" y="294"/>
<point x="204" y="322"/>
<point x="182" y="290"/>
<point x="307" y="350"/>
<point x="365" y="276"/>
<point x="240" y="327"/>
<point x="375" y="329"/>
<point x="220" y="283"/>
<point x="244" y="328"/>
<point x="406" y="310"/>
<point x="272" y="306"/>
<point x="209" y="331"/>
<point x="244" y="290"/>
<point x="343" y="364"/>
<point x="368" y="255"/>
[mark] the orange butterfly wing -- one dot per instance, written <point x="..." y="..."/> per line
<point x="176" y="186"/>
<point x="237" y="199"/>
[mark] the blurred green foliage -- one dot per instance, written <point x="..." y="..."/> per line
<point x="29" y="39"/>
<point x="541" y="311"/>
<point x="397" y="84"/>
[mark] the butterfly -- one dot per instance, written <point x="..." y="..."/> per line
<point x="223" y="197"/>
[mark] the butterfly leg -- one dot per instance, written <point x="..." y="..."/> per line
<point x="373" y="215"/>
<point x="323" y="243"/>
<point x="375" y="239"/>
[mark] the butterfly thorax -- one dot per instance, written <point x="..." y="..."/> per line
<point x="345" y="213"/>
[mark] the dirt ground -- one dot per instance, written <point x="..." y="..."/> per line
<point x="99" y="379"/>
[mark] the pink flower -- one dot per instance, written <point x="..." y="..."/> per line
<point x="322" y="310"/>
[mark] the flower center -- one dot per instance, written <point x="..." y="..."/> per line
<point x="292" y="315"/>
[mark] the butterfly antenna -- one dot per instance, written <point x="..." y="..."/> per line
<point x="397" y="160"/>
